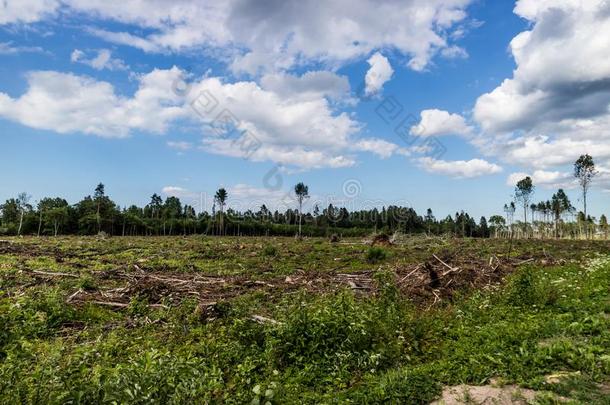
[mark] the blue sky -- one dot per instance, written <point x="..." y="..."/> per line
<point x="87" y="95"/>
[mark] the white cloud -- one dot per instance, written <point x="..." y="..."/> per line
<point x="546" y="179"/>
<point x="103" y="60"/>
<point x="66" y="103"/>
<point x="181" y="146"/>
<point x="298" y="127"/>
<point x="459" y="168"/>
<point x="438" y="122"/>
<point x="571" y="34"/>
<point x="269" y="35"/>
<point x="125" y="38"/>
<point x="381" y="148"/>
<point x="241" y="197"/>
<point x="310" y="86"/>
<point x="454" y="52"/>
<point x="179" y="192"/>
<point x="7" y="48"/>
<point x="26" y="11"/>
<point x="556" y="105"/>
<point x="378" y="74"/>
<point x="293" y="155"/>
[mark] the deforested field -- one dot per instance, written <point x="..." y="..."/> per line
<point x="278" y="320"/>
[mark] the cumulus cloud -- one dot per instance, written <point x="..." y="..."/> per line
<point x="102" y="60"/>
<point x="292" y="125"/>
<point x="459" y="168"/>
<point x="546" y="179"/>
<point x="569" y="34"/>
<point x="67" y="103"/>
<point x="309" y="86"/>
<point x="556" y="105"/>
<point x="268" y="35"/>
<point x="305" y="132"/>
<point x="380" y="147"/>
<point x="26" y="11"/>
<point x="378" y="74"/>
<point x="438" y="122"/>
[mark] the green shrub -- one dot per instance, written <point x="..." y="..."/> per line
<point x="522" y="289"/>
<point x="162" y="377"/>
<point x="402" y="386"/>
<point x="87" y="283"/>
<point x="375" y="255"/>
<point x="269" y="251"/>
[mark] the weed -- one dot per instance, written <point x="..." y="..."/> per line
<point x="270" y="251"/>
<point x="332" y="345"/>
<point x="375" y="255"/>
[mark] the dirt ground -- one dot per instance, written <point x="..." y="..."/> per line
<point x="485" y="395"/>
<point x="425" y="279"/>
<point x="425" y="283"/>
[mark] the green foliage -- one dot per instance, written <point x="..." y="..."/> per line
<point x="400" y="386"/>
<point x="35" y="316"/>
<point x="269" y="250"/>
<point x="522" y="289"/>
<point x="157" y="376"/>
<point x="333" y="347"/>
<point x="375" y="255"/>
<point x="98" y="213"/>
<point x="87" y="283"/>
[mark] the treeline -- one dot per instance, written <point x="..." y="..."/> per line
<point x="97" y="214"/>
<point x="556" y="217"/>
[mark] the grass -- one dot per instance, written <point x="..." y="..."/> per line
<point x="335" y="346"/>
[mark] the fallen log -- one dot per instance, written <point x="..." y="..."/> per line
<point x="122" y="304"/>
<point x="525" y="261"/>
<point x="444" y="264"/>
<point x="52" y="274"/>
<point x="409" y="275"/>
<point x="264" y="320"/>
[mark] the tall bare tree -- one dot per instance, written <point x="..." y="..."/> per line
<point x="584" y="171"/>
<point x="523" y="194"/>
<point x="98" y="197"/>
<point x="221" y="199"/>
<point x="23" y="200"/>
<point x="302" y="193"/>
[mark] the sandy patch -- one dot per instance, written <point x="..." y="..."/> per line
<point x="486" y="394"/>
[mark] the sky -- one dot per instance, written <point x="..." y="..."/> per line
<point x="441" y="104"/>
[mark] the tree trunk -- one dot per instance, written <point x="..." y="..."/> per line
<point x="525" y="220"/>
<point x="300" y="216"/>
<point x="20" y="223"/>
<point x="39" y="223"/>
<point x="222" y="221"/>
<point x="98" y="218"/>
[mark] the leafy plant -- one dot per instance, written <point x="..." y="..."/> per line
<point x="270" y="250"/>
<point x="375" y="255"/>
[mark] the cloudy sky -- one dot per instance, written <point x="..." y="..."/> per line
<point x="432" y="103"/>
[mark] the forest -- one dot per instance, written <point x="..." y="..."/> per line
<point x="97" y="213"/>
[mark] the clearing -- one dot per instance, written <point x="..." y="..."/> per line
<point x="277" y="320"/>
